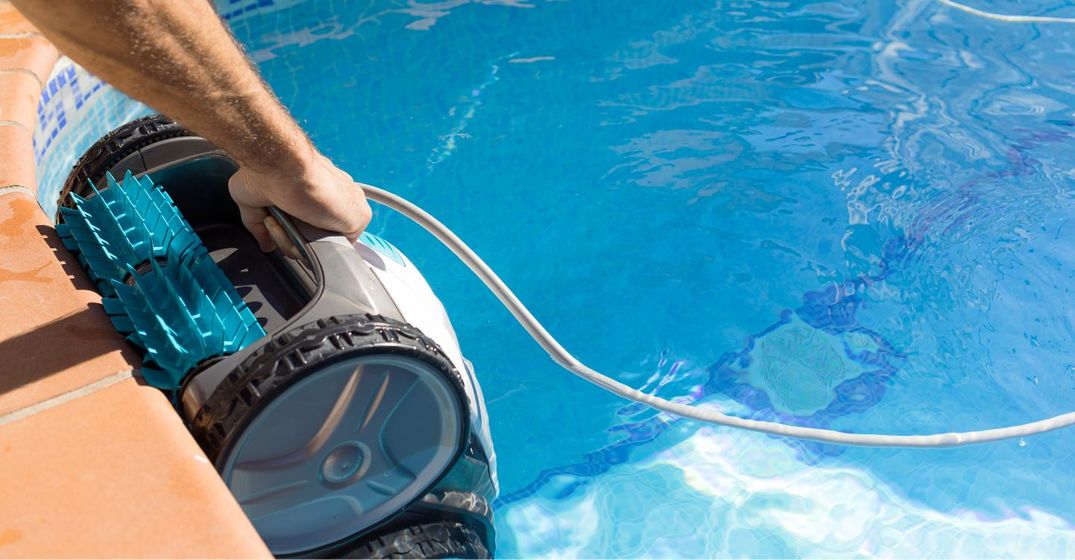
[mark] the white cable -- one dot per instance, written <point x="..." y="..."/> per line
<point x="710" y="415"/>
<point x="1006" y="17"/>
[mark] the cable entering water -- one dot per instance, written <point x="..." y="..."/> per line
<point x="709" y="415"/>
<point x="1005" y="17"/>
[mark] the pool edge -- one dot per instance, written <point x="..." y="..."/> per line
<point x="99" y="464"/>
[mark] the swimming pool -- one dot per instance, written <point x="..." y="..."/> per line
<point x="844" y="214"/>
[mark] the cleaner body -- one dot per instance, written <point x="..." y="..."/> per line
<point x="329" y="390"/>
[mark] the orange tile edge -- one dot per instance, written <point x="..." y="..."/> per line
<point x="114" y="474"/>
<point x="107" y="468"/>
<point x="55" y="308"/>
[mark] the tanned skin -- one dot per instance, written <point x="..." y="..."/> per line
<point x="178" y="57"/>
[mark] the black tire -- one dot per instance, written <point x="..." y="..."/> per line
<point x="298" y="352"/>
<point x="302" y="351"/>
<point x="437" y="539"/>
<point x="113" y="147"/>
<point x="459" y="506"/>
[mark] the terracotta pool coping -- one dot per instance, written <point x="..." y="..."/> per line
<point x="94" y="463"/>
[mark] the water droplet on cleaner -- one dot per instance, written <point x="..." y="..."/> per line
<point x="1022" y="442"/>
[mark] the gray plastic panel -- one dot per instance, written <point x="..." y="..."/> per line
<point x="344" y="449"/>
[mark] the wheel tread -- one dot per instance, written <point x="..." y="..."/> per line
<point x="438" y="539"/>
<point x="115" y="146"/>
<point x="291" y="354"/>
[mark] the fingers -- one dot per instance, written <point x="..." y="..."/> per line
<point x="281" y="238"/>
<point x="339" y="207"/>
<point x="254" y="220"/>
<point x="352" y="236"/>
<point x="325" y="197"/>
<point x="251" y="213"/>
<point x="363" y="215"/>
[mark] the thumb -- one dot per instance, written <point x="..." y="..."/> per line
<point x="254" y="220"/>
<point x="252" y="210"/>
<point x="280" y="238"/>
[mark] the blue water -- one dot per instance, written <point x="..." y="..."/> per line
<point x="853" y="214"/>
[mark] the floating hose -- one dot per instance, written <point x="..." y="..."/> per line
<point x="1008" y="18"/>
<point x="709" y="415"/>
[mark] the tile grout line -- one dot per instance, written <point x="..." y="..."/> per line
<point x="69" y="396"/>
<point x="15" y="123"/>
<point x="16" y="189"/>
<point x="26" y="71"/>
<point x="21" y="35"/>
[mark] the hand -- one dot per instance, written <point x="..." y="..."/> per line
<point x="321" y="195"/>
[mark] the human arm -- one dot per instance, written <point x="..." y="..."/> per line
<point x="179" y="58"/>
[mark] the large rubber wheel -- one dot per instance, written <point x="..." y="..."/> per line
<point x="437" y="539"/>
<point x="276" y="405"/>
<point x="113" y="148"/>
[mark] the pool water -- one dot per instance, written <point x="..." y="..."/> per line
<point x="854" y="215"/>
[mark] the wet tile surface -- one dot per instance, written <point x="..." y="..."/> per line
<point x="34" y="53"/>
<point x="115" y="474"/>
<point x="11" y="21"/>
<point x="19" y="94"/>
<point x="54" y="335"/>
<point x="16" y="157"/>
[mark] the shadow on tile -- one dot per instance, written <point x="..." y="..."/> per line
<point x="68" y="345"/>
<point x="69" y="262"/>
<point x="67" y="341"/>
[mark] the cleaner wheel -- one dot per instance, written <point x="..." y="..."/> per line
<point x="332" y="428"/>
<point x="435" y="539"/>
<point x="114" y="148"/>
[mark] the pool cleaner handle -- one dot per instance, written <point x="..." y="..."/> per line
<point x="707" y="414"/>
<point x="335" y="258"/>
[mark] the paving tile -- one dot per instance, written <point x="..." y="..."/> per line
<point x="54" y="334"/>
<point x="34" y="53"/>
<point x="19" y="95"/>
<point x="11" y="21"/>
<point x="16" y="157"/>
<point x="115" y="474"/>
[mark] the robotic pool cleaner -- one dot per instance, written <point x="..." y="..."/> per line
<point x="329" y="391"/>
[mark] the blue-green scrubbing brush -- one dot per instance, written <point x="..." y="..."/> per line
<point x="160" y="286"/>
